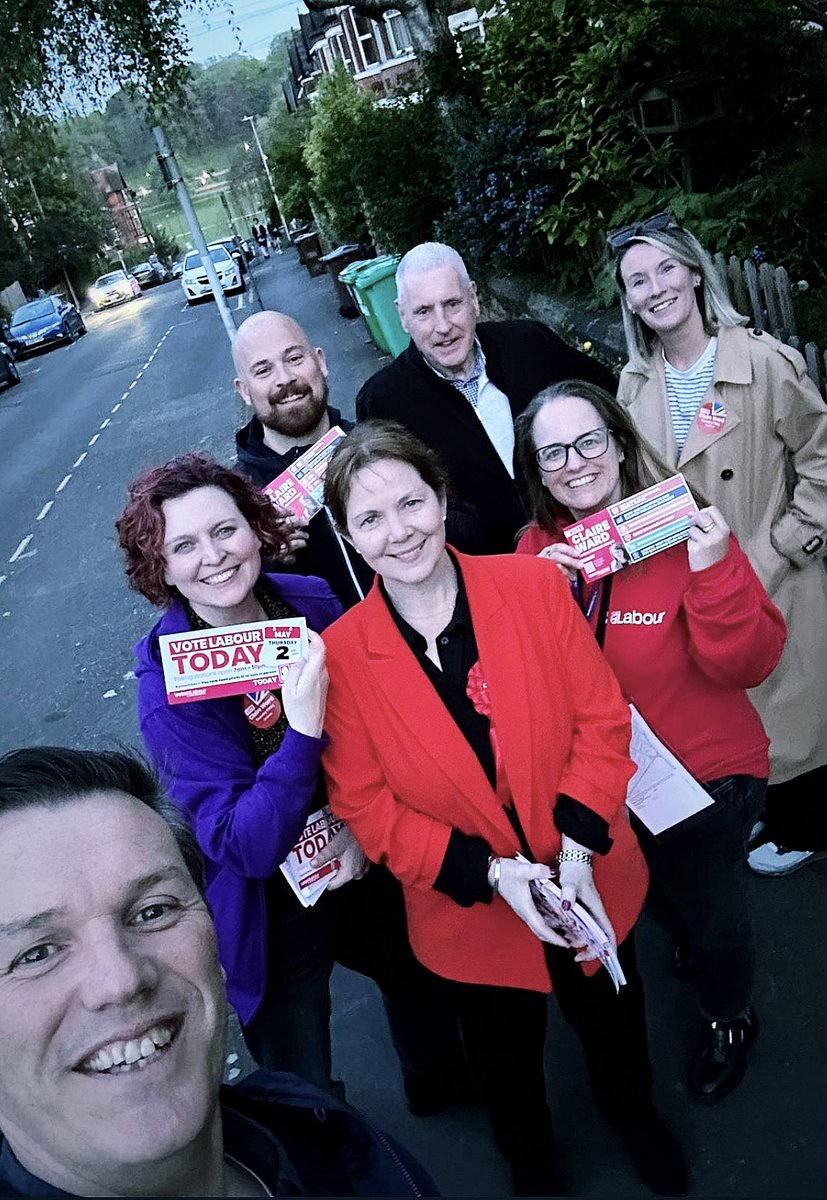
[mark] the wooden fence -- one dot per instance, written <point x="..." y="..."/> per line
<point x="765" y="293"/>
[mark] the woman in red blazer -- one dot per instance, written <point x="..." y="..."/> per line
<point x="472" y="718"/>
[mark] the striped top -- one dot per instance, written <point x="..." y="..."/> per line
<point x="686" y="389"/>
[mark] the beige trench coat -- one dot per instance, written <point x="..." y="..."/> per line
<point x="766" y="469"/>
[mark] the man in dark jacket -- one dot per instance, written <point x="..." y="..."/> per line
<point x="460" y="385"/>
<point x="283" y="378"/>
<point x="113" y="1012"/>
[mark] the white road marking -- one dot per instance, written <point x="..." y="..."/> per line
<point x="22" y="550"/>
<point x="24" y="543"/>
<point x="239" y="303"/>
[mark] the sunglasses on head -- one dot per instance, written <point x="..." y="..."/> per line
<point x="655" y="224"/>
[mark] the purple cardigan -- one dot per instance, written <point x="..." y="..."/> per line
<point x="245" y="820"/>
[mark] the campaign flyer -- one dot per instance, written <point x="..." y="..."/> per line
<point x="634" y="528"/>
<point x="306" y="881"/>
<point x="207" y="664"/>
<point x="300" y="488"/>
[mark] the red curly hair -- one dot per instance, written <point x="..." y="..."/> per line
<point x="141" y="524"/>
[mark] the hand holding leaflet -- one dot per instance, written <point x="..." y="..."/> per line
<point x="307" y="879"/>
<point x="576" y="925"/>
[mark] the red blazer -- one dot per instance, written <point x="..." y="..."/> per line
<point x="403" y="776"/>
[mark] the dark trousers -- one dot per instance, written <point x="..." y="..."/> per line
<point x="505" y="1031"/>
<point x="796" y="813"/>
<point x="361" y="926"/>
<point x="697" y="892"/>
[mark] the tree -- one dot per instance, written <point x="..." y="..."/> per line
<point x="53" y="221"/>
<point x="332" y="153"/>
<point x="86" y="47"/>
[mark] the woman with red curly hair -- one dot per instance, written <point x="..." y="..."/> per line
<point x="245" y="769"/>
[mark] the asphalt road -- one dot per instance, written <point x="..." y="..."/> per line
<point x="153" y="378"/>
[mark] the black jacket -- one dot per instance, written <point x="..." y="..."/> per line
<point x="300" y="1141"/>
<point x="324" y="555"/>
<point x="522" y="357"/>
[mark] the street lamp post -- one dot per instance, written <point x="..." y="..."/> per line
<point x="266" y="166"/>
<point x="173" y="178"/>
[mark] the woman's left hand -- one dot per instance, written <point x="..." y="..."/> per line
<point x="577" y="883"/>
<point x="353" y="862"/>
<point x="708" y="539"/>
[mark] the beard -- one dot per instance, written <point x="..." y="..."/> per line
<point x="299" y="418"/>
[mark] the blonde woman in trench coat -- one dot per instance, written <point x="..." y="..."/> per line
<point x="747" y="427"/>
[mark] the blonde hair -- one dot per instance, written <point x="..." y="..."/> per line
<point x="716" y="308"/>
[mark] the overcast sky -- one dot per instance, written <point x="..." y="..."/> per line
<point x="216" y="33"/>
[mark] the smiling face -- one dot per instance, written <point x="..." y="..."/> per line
<point x="396" y="521"/>
<point x="440" y="313"/>
<point x="661" y="290"/>
<point x="212" y="555"/>
<point x="583" y="486"/>
<point x="280" y="375"/>
<point x="112" y="1002"/>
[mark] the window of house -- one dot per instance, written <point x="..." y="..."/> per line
<point x="365" y="34"/>
<point x="398" y="33"/>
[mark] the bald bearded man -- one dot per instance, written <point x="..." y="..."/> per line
<point x="282" y="377"/>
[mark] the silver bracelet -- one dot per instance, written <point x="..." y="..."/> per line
<point x="496" y="866"/>
<point x="575" y="856"/>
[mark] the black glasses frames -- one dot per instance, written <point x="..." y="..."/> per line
<point x="589" y="445"/>
<point x="617" y="239"/>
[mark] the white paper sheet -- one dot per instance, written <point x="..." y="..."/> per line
<point x="662" y="793"/>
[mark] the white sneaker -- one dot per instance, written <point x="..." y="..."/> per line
<point x="772" y="859"/>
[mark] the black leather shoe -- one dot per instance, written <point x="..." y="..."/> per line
<point x="657" y="1157"/>
<point x="721" y="1064"/>
<point x="683" y="962"/>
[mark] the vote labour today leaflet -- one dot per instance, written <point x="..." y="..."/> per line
<point x="634" y="528"/>
<point x="309" y="882"/>
<point x="301" y="487"/>
<point x="232" y="660"/>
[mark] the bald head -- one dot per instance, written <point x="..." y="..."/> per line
<point x="282" y="377"/>
<point x="261" y="329"/>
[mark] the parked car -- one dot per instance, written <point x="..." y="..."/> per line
<point x="177" y="268"/>
<point x="194" y="279"/>
<point x="9" y="374"/>
<point x="42" y="323"/>
<point x="116" y="287"/>
<point x="148" y="274"/>
<point x="231" y="245"/>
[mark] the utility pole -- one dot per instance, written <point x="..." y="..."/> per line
<point x="266" y="166"/>
<point x="62" y="265"/>
<point x="173" y="178"/>
<point x="230" y="217"/>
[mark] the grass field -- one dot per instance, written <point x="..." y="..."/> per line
<point x="246" y="200"/>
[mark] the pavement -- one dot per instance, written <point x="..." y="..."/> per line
<point x="153" y="378"/>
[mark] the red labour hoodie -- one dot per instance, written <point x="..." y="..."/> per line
<point x="685" y="645"/>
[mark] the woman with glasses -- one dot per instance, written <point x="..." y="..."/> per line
<point x="686" y="632"/>
<point x="472" y="717"/>
<point x="735" y="411"/>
